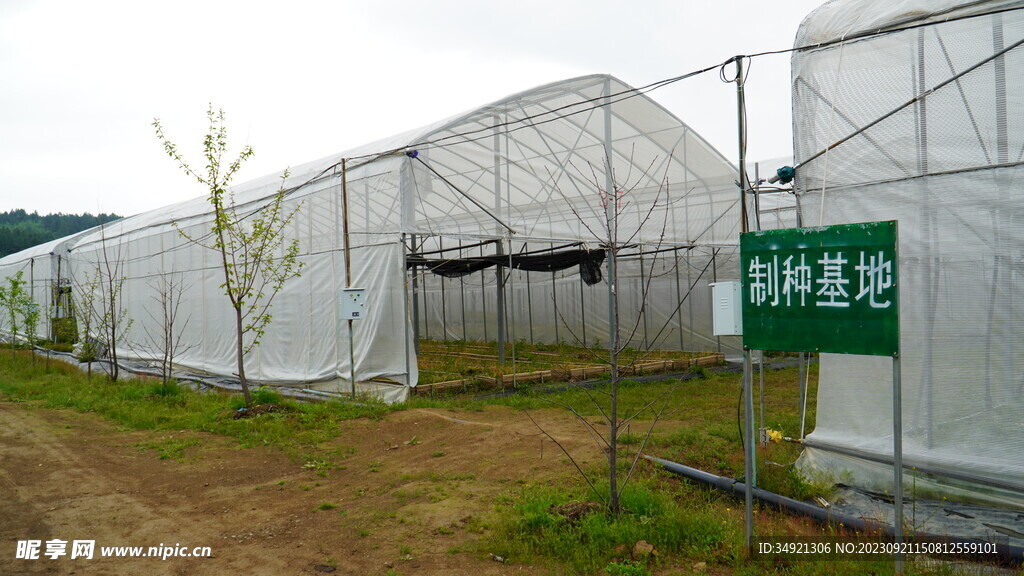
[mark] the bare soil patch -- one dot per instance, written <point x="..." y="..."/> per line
<point x="411" y="493"/>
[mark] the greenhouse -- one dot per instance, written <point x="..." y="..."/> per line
<point x="913" y="112"/>
<point x="492" y="225"/>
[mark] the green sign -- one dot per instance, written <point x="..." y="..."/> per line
<point x="824" y="289"/>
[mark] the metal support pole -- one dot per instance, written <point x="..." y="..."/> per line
<point x="803" y="393"/>
<point x="352" y="356"/>
<point x="32" y="292"/>
<point x="483" y="299"/>
<point x="679" y="297"/>
<point x="644" y="301"/>
<point x="750" y="460"/>
<point x="415" y="302"/>
<point x="689" y="301"/>
<point x="444" y="299"/>
<point x="1004" y="217"/>
<point x="348" y="273"/>
<point x="529" y="299"/>
<point x="897" y="459"/>
<point x="750" y="464"/>
<point x="405" y="318"/>
<point x="928" y="217"/>
<point x="757" y="195"/>
<point x="512" y="311"/>
<point x="554" y="302"/>
<point x="897" y="426"/>
<point x="742" y="130"/>
<point x="583" y="312"/>
<point x="499" y="275"/>
<point x="462" y="297"/>
<point x="714" y="278"/>
<point x="762" y="437"/>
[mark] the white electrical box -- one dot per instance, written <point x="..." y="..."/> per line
<point x="353" y="303"/>
<point x="726" y="297"/>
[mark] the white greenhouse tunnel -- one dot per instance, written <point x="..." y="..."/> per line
<point x="524" y="178"/>
<point x="911" y="110"/>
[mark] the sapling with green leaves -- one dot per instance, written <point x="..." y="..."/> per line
<point x="84" y="296"/>
<point x="4" y="312"/>
<point x="255" y="257"/>
<point x="30" y="319"/>
<point x="15" y="301"/>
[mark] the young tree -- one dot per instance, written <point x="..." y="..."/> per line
<point x="84" y="298"/>
<point x="113" y="318"/>
<point x="614" y="199"/>
<point x="8" y="316"/>
<point x="98" y="304"/>
<point x="30" y="319"/>
<point x="15" y="301"/>
<point x="169" y="289"/>
<point x="21" y="310"/>
<point x="254" y="255"/>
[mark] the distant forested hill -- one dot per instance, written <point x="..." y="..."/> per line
<point x="20" y="230"/>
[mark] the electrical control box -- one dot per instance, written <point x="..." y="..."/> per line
<point x="353" y="303"/>
<point x="727" y="299"/>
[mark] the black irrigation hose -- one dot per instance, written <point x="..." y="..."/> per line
<point x="1005" y="553"/>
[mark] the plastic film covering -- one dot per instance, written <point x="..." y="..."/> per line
<point x="537" y="169"/>
<point x="534" y="166"/>
<point x="926" y="126"/>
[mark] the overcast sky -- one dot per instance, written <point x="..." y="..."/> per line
<point x="301" y="80"/>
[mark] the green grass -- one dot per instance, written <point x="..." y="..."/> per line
<point x="150" y="405"/>
<point x="530" y="531"/>
<point x="169" y="447"/>
<point x="702" y="430"/>
<point x="686" y="523"/>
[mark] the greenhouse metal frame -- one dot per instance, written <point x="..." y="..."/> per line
<point x="419" y="219"/>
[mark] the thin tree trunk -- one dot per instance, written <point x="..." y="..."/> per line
<point x="613" y="428"/>
<point x="114" y="370"/>
<point x="241" y="358"/>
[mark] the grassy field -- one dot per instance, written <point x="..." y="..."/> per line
<point x="692" y="529"/>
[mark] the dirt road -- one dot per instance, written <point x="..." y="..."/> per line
<point x="415" y="495"/>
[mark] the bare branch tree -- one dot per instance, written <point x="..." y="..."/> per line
<point x="101" y="317"/>
<point x="113" y="320"/>
<point x="168" y="291"/>
<point x="615" y="202"/>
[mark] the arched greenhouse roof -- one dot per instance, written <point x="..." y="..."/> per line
<point x="531" y="165"/>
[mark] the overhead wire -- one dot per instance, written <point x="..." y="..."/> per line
<point x="556" y="114"/>
<point x="604" y="100"/>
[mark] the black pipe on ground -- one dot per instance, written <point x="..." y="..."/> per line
<point x="1005" y="553"/>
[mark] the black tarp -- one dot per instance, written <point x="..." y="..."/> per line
<point x="589" y="262"/>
